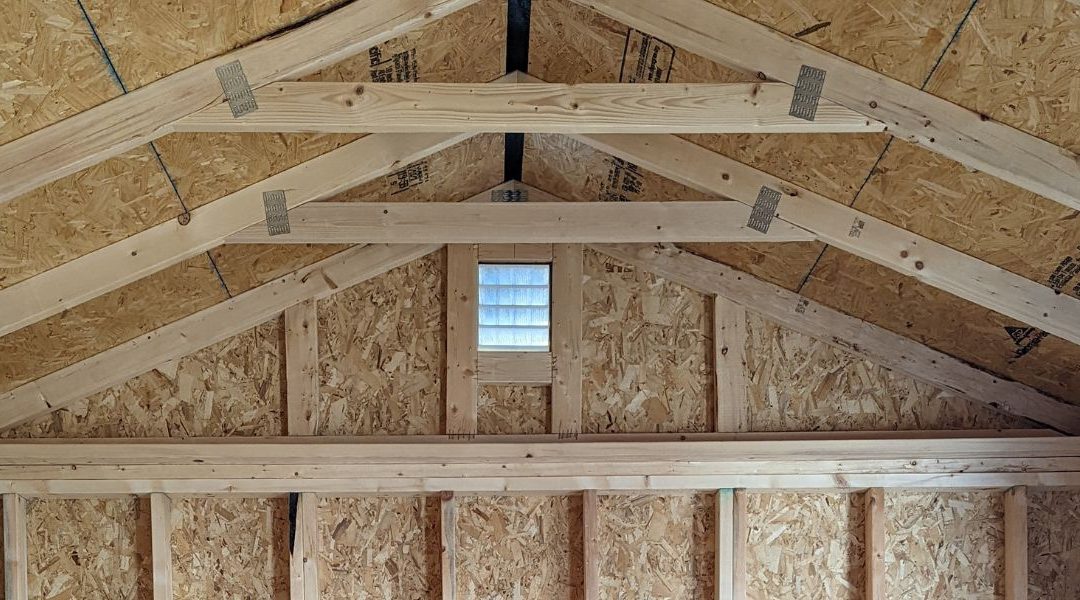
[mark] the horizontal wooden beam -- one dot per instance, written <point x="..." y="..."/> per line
<point x="158" y="247"/>
<point x="963" y="135"/>
<point x="278" y="465"/>
<point x="523" y="368"/>
<point x="527" y="108"/>
<point x="147" y="113"/>
<point x="519" y="222"/>
<point x="199" y="330"/>
<point x="850" y="334"/>
<point x="856" y="232"/>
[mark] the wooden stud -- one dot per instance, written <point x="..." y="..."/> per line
<point x="853" y="335"/>
<point x="199" y="330"/>
<point x="566" y="331"/>
<point x="147" y="113"/>
<point x="516" y="253"/>
<point x="161" y="545"/>
<point x="304" y="556"/>
<point x="344" y="107"/>
<point x="1016" y="544"/>
<point x="522" y="368"/>
<point x="729" y="353"/>
<point x="874" y="514"/>
<point x="302" y="367"/>
<point x="725" y="544"/>
<point x="590" y="534"/>
<point x="964" y="135"/>
<point x="462" y="290"/>
<point x="448" y="537"/>
<point x="519" y="223"/>
<point x="16" y="553"/>
<point x="740" y="530"/>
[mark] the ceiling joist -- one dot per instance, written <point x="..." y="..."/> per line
<point x="145" y="114"/>
<point x="963" y="135"/>
<point x="526" y="108"/>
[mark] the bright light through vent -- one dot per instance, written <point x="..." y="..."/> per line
<point x="515" y="308"/>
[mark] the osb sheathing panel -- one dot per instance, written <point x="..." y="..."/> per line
<point x="379" y="548"/>
<point x="518" y="547"/>
<point x="1016" y="61"/>
<point x="657" y="547"/>
<point x="1053" y="545"/>
<point x="513" y="409"/>
<point x="645" y="352"/>
<point x="797" y="383"/>
<point x="944" y="545"/>
<point x="107" y="321"/>
<point x="946" y="323"/>
<point x="232" y="388"/>
<point x="806" y="546"/>
<point x="88" y="549"/>
<point x="230" y="548"/>
<point x="51" y="67"/>
<point x="382" y="353"/>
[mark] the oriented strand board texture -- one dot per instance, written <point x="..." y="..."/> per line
<point x="942" y="546"/>
<point x="518" y="547"/>
<point x="805" y="546"/>
<point x="382" y="353"/>
<point x="230" y="548"/>
<point x="797" y="383"/>
<point x="1054" y="545"/>
<point x="513" y="409"/>
<point x="646" y="350"/>
<point x="86" y="549"/>
<point x="232" y="388"/>
<point x="379" y="548"/>
<point x="657" y="547"/>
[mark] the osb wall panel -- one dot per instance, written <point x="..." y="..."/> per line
<point x="797" y="383"/>
<point x="513" y="409"/>
<point x="379" y="548"/>
<point x="946" y="323"/>
<point x="232" y="388"/>
<point x="51" y="69"/>
<point x="943" y="546"/>
<point x="1053" y="545"/>
<point x="382" y="353"/>
<point x="576" y="172"/>
<point x="806" y="546"/>
<point x="86" y="549"/>
<point x="518" y="547"/>
<point x="1016" y="61"/>
<point x="645" y="351"/>
<point x="657" y="547"/>
<point x="107" y="321"/>
<point x="230" y="548"/>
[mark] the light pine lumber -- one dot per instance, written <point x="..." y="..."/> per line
<point x="448" y="539"/>
<point x="158" y="247"/>
<point x="876" y="240"/>
<point x="519" y="223"/>
<point x="516" y="253"/>
<point x="304" y="555"/>
<point x="16" y="555"/>
<point x="729" y="354"/>
<point x="741" y="530"/>
<point x="1016" y="543"/>
<point x="567" y="314"/>
<point x="344" y="107"/>
<point x="521" y="368"/>
<point x="161" y="545"/>
<point x="302" y="367"/>
<point x="725" y="545"/>
<point x="199" y="330"/>
<point x="874" y="515"/>
<point x="462" y="304"/>
<point x="148" y="112"/>
<point x="963" y="135"/>
<point x="590" y="534"/>
<point x="850" y="334"/>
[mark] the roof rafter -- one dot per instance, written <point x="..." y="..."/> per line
<point x="912" y="114"/>
<point x="526" y="108"/>
<point x="147" y="113"/>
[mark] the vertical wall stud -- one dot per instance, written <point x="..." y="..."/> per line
<point x="448" y="528"/>
<point x="304" y="560"/>
<point x="161" y="545"/>
<point x="874" y="515"/>
<point x="729" y="352"/>
<point x="16" y="579"/>
<point x="1016" y="544"/>
<point x="590" y="515"/>
<point x="566" y="326"/>
<point x="462" y="289"/>
<point x="302" y="367"/>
